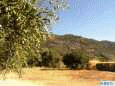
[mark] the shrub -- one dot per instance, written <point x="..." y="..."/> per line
<point x="106" y="67"/>
<point x="51" y="58"/>
<point x="75" y="59"/>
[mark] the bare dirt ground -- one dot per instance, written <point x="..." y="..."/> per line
<point x="45" y="77"/>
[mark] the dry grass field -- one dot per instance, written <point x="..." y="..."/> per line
<point x="49" y="77"/>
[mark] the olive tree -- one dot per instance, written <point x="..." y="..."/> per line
<point x="23" y="25"/>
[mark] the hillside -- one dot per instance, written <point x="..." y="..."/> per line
<point x="95" y="49"/>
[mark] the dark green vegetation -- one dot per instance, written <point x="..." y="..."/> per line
<point x="74" y="51"/>
<point x="76" y="59"/>
<point x="106" y="67"/>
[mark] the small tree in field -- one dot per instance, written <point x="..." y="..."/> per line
<point x="51" y="58"/>
<point x="23" y="25"/>
<point x="76" y="59"/>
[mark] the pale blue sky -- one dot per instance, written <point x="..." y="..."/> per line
<point x="88" y="18"/>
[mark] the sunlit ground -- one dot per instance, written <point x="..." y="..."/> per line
<point x="45" y="77"/>
<point x="11" y="82"/>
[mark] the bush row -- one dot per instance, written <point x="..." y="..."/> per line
<point x="50" y="58"/>
<point x="106" y="67"/>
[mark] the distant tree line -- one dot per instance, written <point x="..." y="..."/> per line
<point x="52" y="59"/>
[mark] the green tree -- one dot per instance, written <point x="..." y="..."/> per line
<point x="76" y="59"/>
<point x="51" y="58"/>
<point x="23" y="25"/>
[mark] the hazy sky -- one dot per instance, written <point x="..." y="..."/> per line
<point x="88" y="18"/>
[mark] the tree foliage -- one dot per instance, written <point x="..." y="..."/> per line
<point x="76" y="59"/>
<point x="23" y="25"/>
<point x="51" y="58"/>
